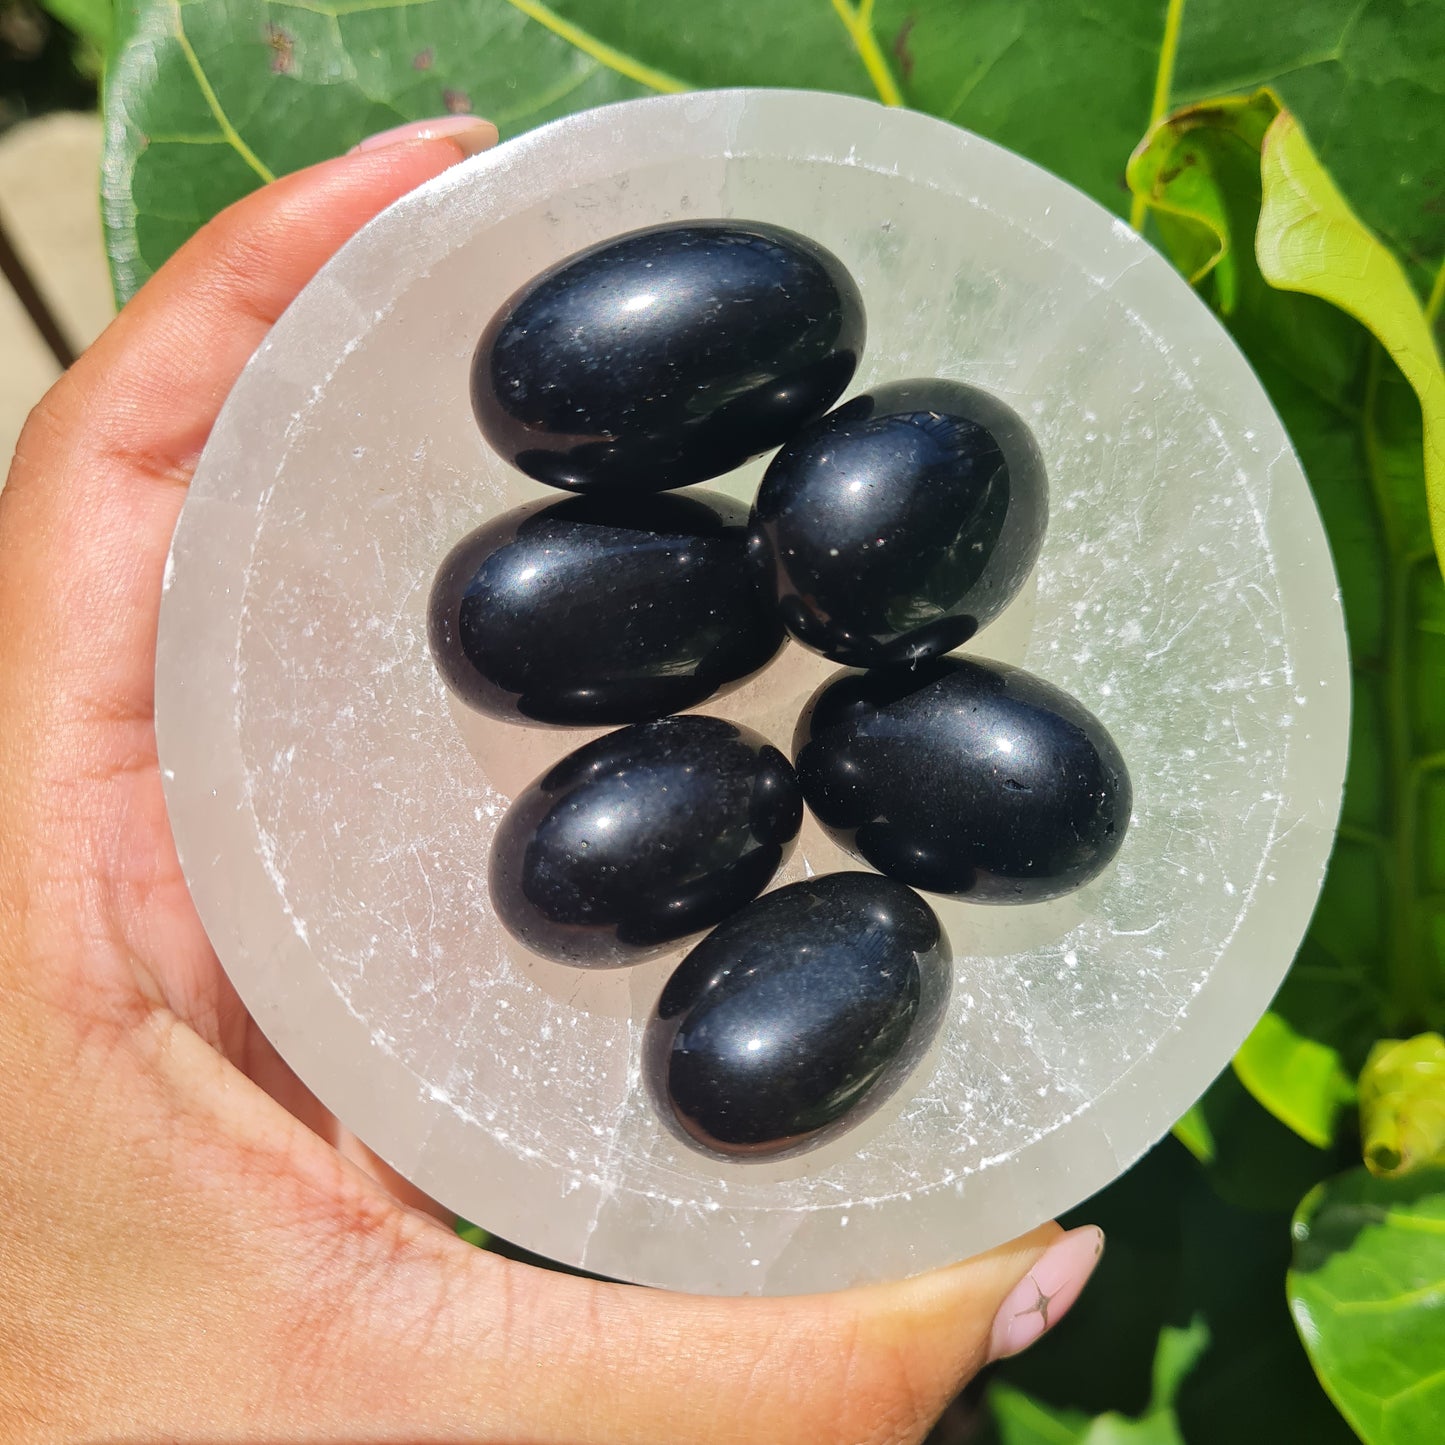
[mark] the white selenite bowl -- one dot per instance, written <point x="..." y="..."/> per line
<point x="333" y="806"/>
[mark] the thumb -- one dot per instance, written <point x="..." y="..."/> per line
<point x="607" y="1363"/>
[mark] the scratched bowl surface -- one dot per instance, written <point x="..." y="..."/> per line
<point x="334" y="806"/>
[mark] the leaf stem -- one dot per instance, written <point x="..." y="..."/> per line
<point x="1437" y="296"/>
<point x="1407" y="985"/>
<point x="858" y="22"/>
<point x="1163" y="86"/>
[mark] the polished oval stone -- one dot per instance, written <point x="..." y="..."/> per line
<point x="642" y="837"/>
<point x="965" y="777"/>
<point x="598" y="611"/>
<point x="811" y="1004"/>
<point x="667" y="356"/>
<point x="902" y="522"/>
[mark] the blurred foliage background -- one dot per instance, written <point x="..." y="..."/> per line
<point x="44" y="64"/>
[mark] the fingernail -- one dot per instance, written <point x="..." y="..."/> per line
<point x="470" y="134"/>
<point x="1043" y="1296"/>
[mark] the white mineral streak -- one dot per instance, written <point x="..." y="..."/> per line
<point x="334" y="807"/>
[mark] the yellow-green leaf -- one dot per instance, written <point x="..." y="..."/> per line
<point x="1310" y="240"/>
<point x="1402" y="1105"/>
<point x="1193" y="1132"/>
<point x="1187" y="170"/>
<point x="472" y="1233"/>
<point x="1299" y="1080"/>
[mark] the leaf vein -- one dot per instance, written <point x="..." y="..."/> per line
<point x="1244" y="83"/>
<point x="627" y="66"/>
<point x="857" y="20"/>
<point x="1385" y="1304"/>
<point x="1425" y="1382"/>
<point x="187" y="139"/>
<point x="213" y="101"/>
<point x="984" y="68"/>
<point x="349" y="7"/>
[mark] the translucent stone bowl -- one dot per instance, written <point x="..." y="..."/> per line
<point x="333" y="807"/>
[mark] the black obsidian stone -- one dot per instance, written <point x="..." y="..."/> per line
<point x="809" y="1005"/>
<point x="965" y="777"/>
<point x="902" y="522"/>
<point x="599" y="610"/>
<point x="643" y="837"/>
<point x="667" y="356"/>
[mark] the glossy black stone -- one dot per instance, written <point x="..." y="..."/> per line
<point x="600" y="611"/>
<point x="902" y="522"/>
<point x="965" y="777"/>
<point x="643" y="837"/>
<point x="810" y="1005"/>
<point x="667" y="356"/>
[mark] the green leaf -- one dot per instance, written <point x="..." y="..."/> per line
<point x="1022" y="1420"/>
<point x="495" y="1244"/>
<point x="1177" y="1355"/>
<point x="472" y="1233"/>
<point x="1402" y="1104"/>
<point x="1374" y="960"/>
<point x="1193" y="1131"/>
<point x="206" y="98"/>
<point x="1367" y="1289"/>
<point x="1301" y="1081"/>
<point x="1257" y="1161"/>
<point x="1195" y="172"/>
<point x="92" y="20"/>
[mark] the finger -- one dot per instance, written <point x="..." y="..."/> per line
<point x="98" y="478"/>
<point x="878" y="1364"/>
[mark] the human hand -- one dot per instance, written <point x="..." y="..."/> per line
<point x="193" y="1249"/>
